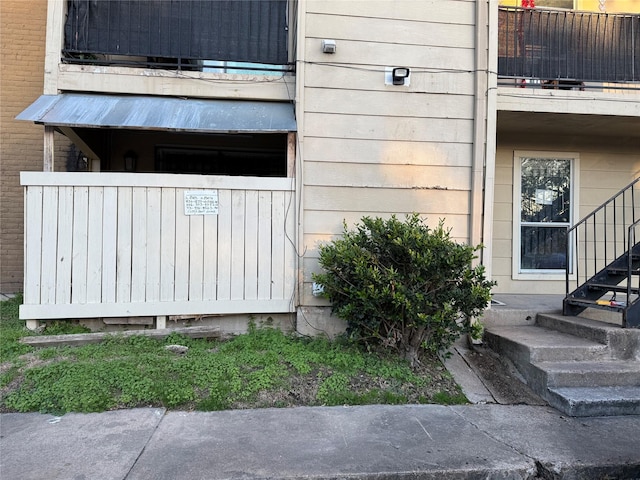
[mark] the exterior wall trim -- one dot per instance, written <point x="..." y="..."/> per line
<point x="73" y="179"/>
<point x="563" y="101"/>
<point x="144" y="81"/>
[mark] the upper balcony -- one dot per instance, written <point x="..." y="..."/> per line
<point x="143" y="46"/>
<point x="568" y="62"/>
<point x="567" y="49"/>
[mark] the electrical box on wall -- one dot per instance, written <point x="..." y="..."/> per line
<point x="399" y="76"/>
<point x="317" y="289"/>
<point x="328" y="46"/>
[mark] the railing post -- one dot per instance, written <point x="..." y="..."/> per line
<point x="568" y="261"/>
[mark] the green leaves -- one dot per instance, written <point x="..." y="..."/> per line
<point x="11" y="330"/>
<point x="258" y="369"/>
<point x="392" y="280"/>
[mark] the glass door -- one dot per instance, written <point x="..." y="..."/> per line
<point x="544" y="212"/>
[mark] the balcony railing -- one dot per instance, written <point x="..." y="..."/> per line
<point x="187" y="35"/>
<point x="568" y="48"/>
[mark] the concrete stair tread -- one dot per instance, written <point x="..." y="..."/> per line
<point x="599" y="393"/>
<point x="540" y="337"/>
<point x="596" y="401"/>
<point x="588" y="366"/>
<point x="590" y="373"/>
<point x="532" y="343"/>
<point x="595" y="330"/>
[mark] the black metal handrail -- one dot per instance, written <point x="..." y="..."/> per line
<point x="603" y="236"/>
<point x="569" y="46"/>
<point x="630" y="258"/>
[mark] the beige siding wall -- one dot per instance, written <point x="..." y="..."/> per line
<point x="376" y="149"/>
<point x="606" y="165"/>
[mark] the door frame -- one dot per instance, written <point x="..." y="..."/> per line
<point x="574" y="157"/>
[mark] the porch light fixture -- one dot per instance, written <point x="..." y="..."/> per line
<point x="130" y="161"/>
<point x="328" y="46"/>
<point x="399" y="74"/>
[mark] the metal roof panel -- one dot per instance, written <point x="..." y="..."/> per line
<point x="160" y="113"/>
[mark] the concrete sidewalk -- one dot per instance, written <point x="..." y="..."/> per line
<point x="381" y="442"/>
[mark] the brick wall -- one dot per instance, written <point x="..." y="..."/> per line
<point x="22" y="39"/>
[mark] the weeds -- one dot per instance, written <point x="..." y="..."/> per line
<point x="11" y="330"/>
<point x="263" y="368"/>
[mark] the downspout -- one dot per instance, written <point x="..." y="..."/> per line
<point x="491" y="134"/>
<point x="484" y="133"/>
<point x="480" y="125"/>
<point x="299" y="170"/>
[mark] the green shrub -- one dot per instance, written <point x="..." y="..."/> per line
<point x="403" y="284"/>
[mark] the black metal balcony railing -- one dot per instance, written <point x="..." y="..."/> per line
<point x="177" y="34"/>
<point x="568" y="45"/>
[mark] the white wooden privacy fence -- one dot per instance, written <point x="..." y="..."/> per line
<point x="120" y="244"/>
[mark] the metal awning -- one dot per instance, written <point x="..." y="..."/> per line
<point x="160" y="113"/>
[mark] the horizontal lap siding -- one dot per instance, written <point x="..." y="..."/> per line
<point x="367" y="78"/>
<point x="389" y="104"/>
<point x="367" y="127"/>
<point x="387" y="153"/>
<point x="417" y="177"/>
<point x="405" y="32"/>
<point x="420" y="57"/>
<point x="372" y="149"/>
<point x="428" y="11"/>
<point x="345" y="199"/>
<point x="120" y="248"/>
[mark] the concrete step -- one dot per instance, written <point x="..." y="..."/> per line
<point x="624" y="343"/>
<point x="526" y="344"/>
<point x="593" y="330"/>
<point x="581" y="367"/>
<point x="592" y="373"/>
<point x="592" y="402"/>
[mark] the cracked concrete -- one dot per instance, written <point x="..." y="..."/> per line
<point x="485" y="377"/>
<point x="374" y="441"/>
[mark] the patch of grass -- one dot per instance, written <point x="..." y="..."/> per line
<point x="447" y="398"/>
<point x="263" y="368"/>
<point x="11" y="330"/>
<point x="58" y="327"/>
<point x="10" y="374"/>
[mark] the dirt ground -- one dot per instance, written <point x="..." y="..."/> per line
<point x="499" y="376"/>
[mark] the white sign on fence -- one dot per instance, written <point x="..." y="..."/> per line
<point x="201" y="202"/>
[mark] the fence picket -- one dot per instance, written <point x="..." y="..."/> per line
<point x="130" y="248"/>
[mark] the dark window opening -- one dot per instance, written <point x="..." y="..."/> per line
<point x="249" y="154"/>
<point x="221" y="161"/>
